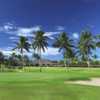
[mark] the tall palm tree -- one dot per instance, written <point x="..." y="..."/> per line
<point x="65" y="45"/>
<point x="40" y="43"/>
<point x="86" y="45"/>
<point x="22" y="45"/>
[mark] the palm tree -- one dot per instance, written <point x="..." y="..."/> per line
<point x="70" y="56"/>
<point x="40" y="43"/>
<point x="86" y="45"/>
<point x="22" y="45"/>
<point x="98" y="44"/>
<point x="13" y="61"/>
<point x="1" y="59"/>
<point x="94" y="58"/>
<point x="64" y="44"/>
<point x="98" y="41"/>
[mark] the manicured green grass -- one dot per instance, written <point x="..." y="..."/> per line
<point x="48" y="84"/>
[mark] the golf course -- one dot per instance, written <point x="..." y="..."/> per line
<point x="50" y="84"/>
<point x="49" y="49"/>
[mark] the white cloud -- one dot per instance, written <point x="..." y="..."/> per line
<point x="6" y="51"/>
<point x="48" y="52"/>
<point x="24" y="34"/>
<point x="13" y="38"/>
<point x="27" y="31"/>
<point x="60" y="28"/>
<point x="51" y="51"/>
<point x="76" y="35"/>
<point x="12" y="29"/>
<point x="50" y="34"/>
<point x="16" y="31"/>
<point x="8" y="26"/>
<point x="9" y="52"/>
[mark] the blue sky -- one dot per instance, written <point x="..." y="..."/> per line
<point x="22" y="17"/>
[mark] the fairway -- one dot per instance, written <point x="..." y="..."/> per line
<point x="48" y="85"/>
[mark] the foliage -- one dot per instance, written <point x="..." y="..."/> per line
<point x="78" y="51"/>
<point x="86" y="45"/>
<point x="40" y="43"/>
<point x="22" y="45"/>
<point x="65" y="45"/>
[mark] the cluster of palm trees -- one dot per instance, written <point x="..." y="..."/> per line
<point x="82" y="49"/>
<point x="39" y="44"/>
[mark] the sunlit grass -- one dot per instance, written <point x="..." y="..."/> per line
<point x="48" y="84"/>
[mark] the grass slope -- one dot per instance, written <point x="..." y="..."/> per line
<point x="48" y="85"/>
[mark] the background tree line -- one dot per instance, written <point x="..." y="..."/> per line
<point x="80" y="52"/>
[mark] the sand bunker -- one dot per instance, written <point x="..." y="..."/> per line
<point x="91" y="82"/>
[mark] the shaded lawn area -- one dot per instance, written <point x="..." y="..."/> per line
<point x="48" y="85"/>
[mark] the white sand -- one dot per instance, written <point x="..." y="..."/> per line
<point x="91" y="82"/>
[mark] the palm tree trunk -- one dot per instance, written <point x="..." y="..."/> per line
<point x="40" y="61"/>
<point x="88" y="62"/>
<point x="68" y="65"/>
<point x="65" y="63"/>
<point x="0" y="67"/>
<point x="22" y="59"/>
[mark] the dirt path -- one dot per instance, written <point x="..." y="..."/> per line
<point x="91" y="82"/>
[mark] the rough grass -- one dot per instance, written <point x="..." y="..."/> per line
<point x="48" y="84"/>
